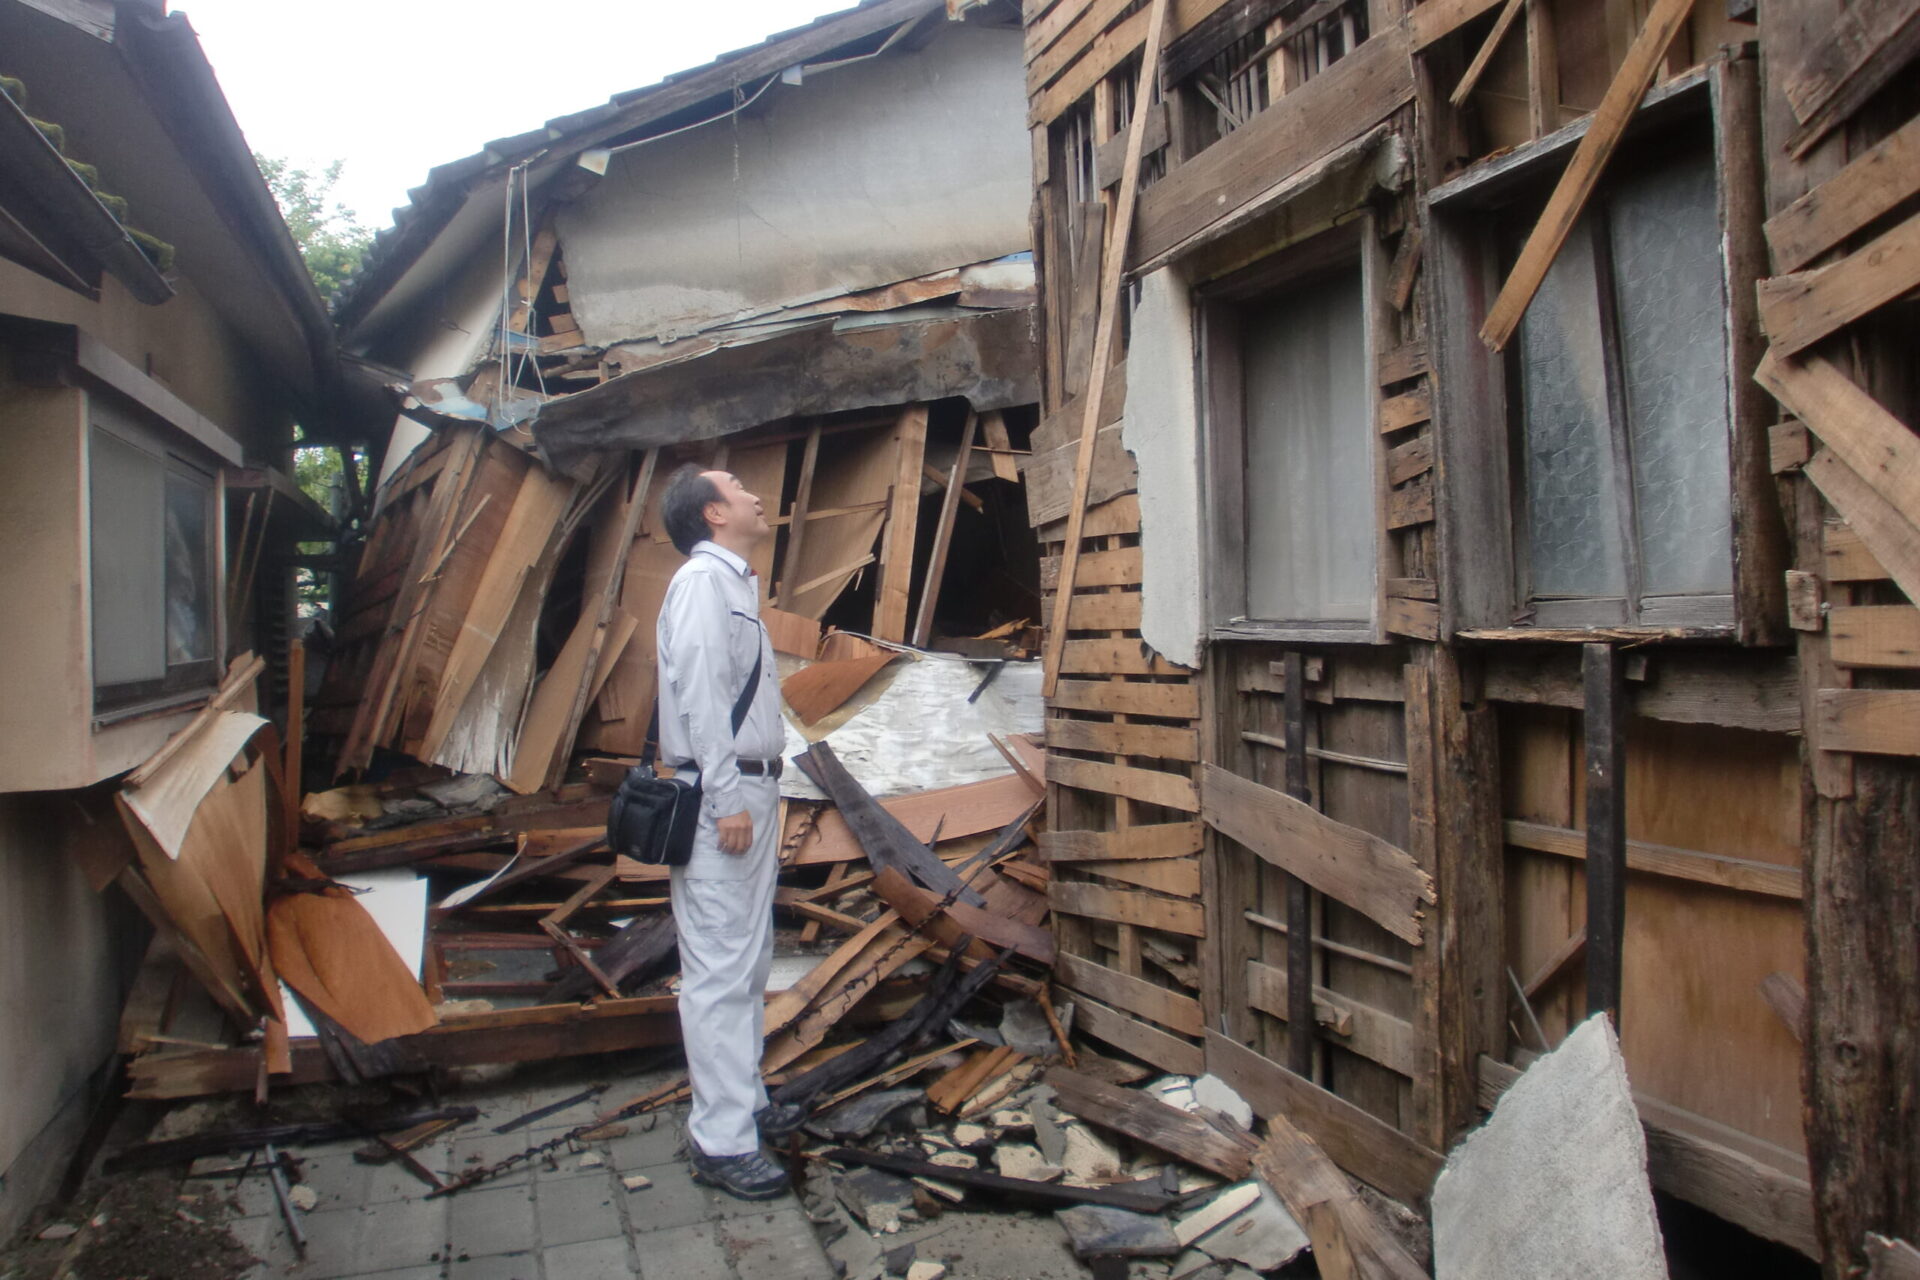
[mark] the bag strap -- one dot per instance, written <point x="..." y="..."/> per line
<point x="741" y="705"/>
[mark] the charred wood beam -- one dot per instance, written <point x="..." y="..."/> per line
<point x="886" y="840"/>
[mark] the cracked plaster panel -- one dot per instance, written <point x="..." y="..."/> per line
<point x="1162" y="432"/>
<point x="896" y="167"/>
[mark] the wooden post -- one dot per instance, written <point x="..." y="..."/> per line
<point x="797" y="522"/>
<point x="1606" y="734"/>
<point x="1300" y="1025"/>
<point x="943" y="533"/>
<point x="903" y="523"/>
<point x="296" y="730"/>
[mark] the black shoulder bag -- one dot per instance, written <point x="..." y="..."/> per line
<point x="653" y="819"/>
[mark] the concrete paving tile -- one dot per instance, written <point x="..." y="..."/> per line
<point x="332" y="1238"/>
<point x="774" y="1246"/>
<point x="576" y="1209"/>
<point x="573" y="1163"/>
<point x="491" y="1220"/>
<point x="692" y="1252"/>
<point x="641" y="1150"/>
<point x="499" y="1266"/>
<point x="267" y="1240"/>
<point x="591" y="1260"/>
<point x="672" y="1201"/>
<point x="408" y="1233"/>
<point x="337" y="1178"/>
<point x="433" y="1271"/>
<point x="482" y="1149"/>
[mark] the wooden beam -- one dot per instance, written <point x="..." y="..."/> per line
<point x="1877" y="721"/>
<point x="1605" y="722"/>
<point x="1145" y="1118"/>
<point x="943" y="533"/>
<point x="1112" y="268"/>
<point x="802" y="509"/>
<point x="1610" y="120"/>
<point x="1356" y="868"/>
<point x="1301" y="1052"/>
<point x="1343" y="1229"/>
<point x="1741" y="874"/>
<point x="1883" y="635"/>
<point x="1488" y="48"/>
<point x="1883" y="529"/>
<point x="903" y="524"/>
<point x="1855" y="56"/>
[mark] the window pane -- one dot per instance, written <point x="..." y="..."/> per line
<point x="126" y="521"/>
<point x="1310" y="502"/>
<point x="1665" y="235"/>
<point x="1573" y="522"/>
<point x="189" y="617"/>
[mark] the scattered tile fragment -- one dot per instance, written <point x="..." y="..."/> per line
<point x="636" y="1182"/>
<point x="304" y="1197"/>
<point x="1263" y="1235"/>
<point x="58" y="1231"/>
<point x="926" y="1271"/>
<point x="1212" y="1091"/>
<point x="1019" y="1160"/>
<point x="1100" y="1230"/>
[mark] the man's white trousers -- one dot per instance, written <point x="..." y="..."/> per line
<point x="726" y="949"/>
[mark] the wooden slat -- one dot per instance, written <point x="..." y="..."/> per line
<point x="1049" y="476"/>
<point x="1397" y="413"/>
<point x="1879" y="721"/>
<point x="1113" y="657"/>
<point x="1105" y="611"/>
<point x="1800" y="309"/>
<point x="1149" y="1044"/>
<point x="903" y="521"/>
<point x="1118" y="568"/>
<point x="1352" y="866"/>
<point x="1171" y="700"/>
<point x="1179" y="877"/>
<point x="1364" y="1146"/>
<point x="1124" y="906"/>
<point x="1859" y="52"/>
<point x="1630" y="84"/>
<point x="1360" y="1028"/>
<point x="1158" y="840"/>
<point x="1411" y="504"/>
<point x="1435" y="20"/>
<point x="1886" y="635"/>
<point x="1171" y="1009"/>
<point x="1417" y="618"/>
<point x="1414" y="458"/>
<point x="1488" y="48"/>
<point x="1845" y="556"/>
<point x="1743" y="874"/>
<point x="1148" y="786"/>
<point x="1160" y="741"/>
<point x="1873" y="184"/>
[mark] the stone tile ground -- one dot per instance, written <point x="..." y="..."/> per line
<point x="564" y="1218"/>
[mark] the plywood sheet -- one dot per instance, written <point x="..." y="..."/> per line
<point x="329" y="948"/>
<point x="855" y="470"/>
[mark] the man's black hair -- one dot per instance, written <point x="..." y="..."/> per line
<point x="684" y="506"/>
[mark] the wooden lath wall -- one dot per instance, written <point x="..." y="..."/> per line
<point x="1762" y="816"/>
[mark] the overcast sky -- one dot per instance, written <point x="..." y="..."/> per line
<point x="395" y="87"/>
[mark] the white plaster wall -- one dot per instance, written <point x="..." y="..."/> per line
<point x="442" y="340"/>
<point x="63" y="950"/>
<point x="1162" y="432"/>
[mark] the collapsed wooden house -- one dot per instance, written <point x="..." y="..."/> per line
<point x="1448" y="632"/>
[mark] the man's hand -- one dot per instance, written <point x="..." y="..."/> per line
<point x="735" y="831"/>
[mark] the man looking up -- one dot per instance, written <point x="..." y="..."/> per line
<point x="710" y="643"/>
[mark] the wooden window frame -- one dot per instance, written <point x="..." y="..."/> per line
<point x="1223" y="432"/>
<point x="1481" y="509"/>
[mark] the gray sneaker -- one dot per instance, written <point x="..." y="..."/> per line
<point x="778" y="1120"/>
<point x="747" y="1177"/>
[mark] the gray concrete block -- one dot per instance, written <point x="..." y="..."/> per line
<point x="672" y="1201"/>
<point x="575" y="1209"/>
<point x="692" y="1252"/>
<point x="402" y="1234"/>
<point x="499" y="1266"/>
<point x="491" y="1220"/>
<point x="642" y="1149"/>
<point x="1554" y="1185"/>
<point x="591" y="1260"/>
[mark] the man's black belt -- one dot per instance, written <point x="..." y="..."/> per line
<point x="748" y="768"/>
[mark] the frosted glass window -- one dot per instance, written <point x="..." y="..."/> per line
<point x="189" y="615"/>
<point x="1573" y="517"/>
<point x="1665" y="235"/>
<point x="1621" y="362"/>
<point x="1310" y="504"/>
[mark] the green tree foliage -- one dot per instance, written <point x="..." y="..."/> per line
<point x="331" y="239"/>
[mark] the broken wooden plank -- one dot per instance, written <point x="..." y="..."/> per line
<point x="1363" y="1145"/>
<point x="1170" y="1009"/>
<point x="1885" y="532"/>
<point x="920" y="908"/>
<point x="1319" y="1196"/>
<point x="1488" y="48"/>
<point x="1630" y="83"/>
<point x="1145" y="1118"/>
<point x="1155" y="840"/>
<point x="1857" y="54"/>
<point x="1150" y="786"/>
<point x="1873" y="184"/>
<point x="1358" y="1028"/>
<point x="886" y="840"/>
<point x="1125" y="906"/>
<point x="1357" y="868"/>
<point x="943" y="533"/>
<point x="1046" y="1194"/>
<point x="1800" y="309"/>
<point x="903" y="521"/>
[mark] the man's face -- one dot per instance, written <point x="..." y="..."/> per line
<point x="738" y="512"/>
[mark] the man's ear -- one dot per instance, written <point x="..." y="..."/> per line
<point x="709" y="513"/>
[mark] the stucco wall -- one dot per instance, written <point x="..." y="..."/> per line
<point x="65" y="953"/>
